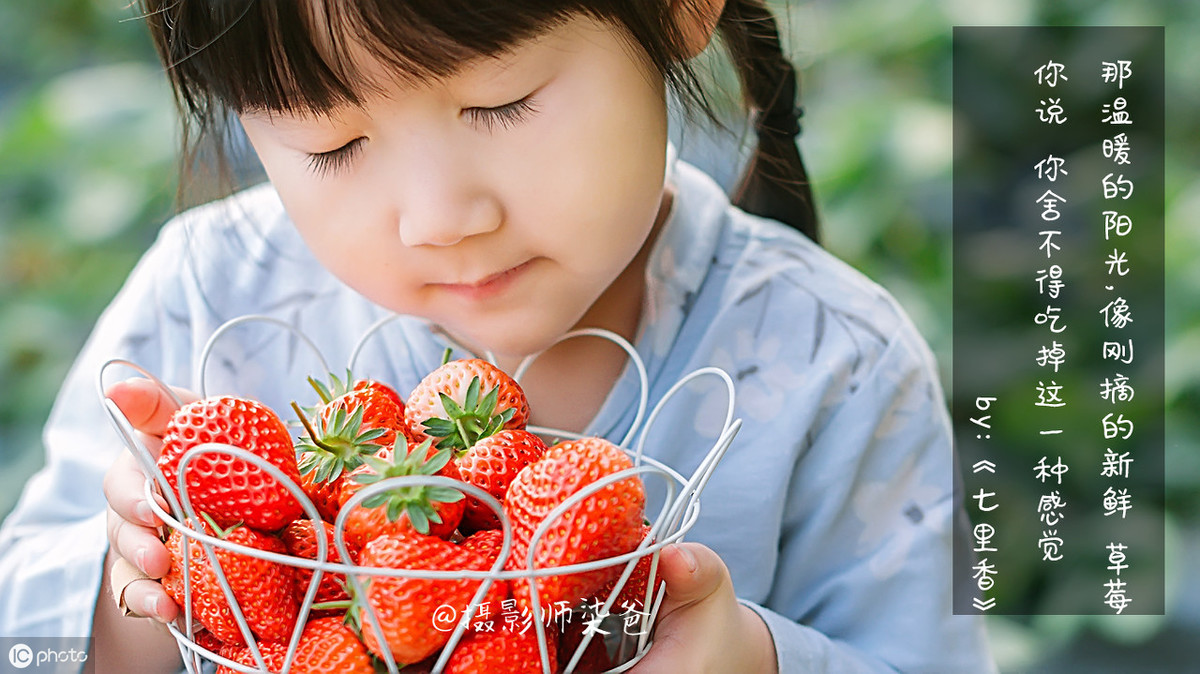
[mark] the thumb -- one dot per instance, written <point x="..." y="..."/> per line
<point x="692" y="573"/>
<point x="146" y="405"/>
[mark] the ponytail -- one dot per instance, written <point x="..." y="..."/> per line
<point x="775" y="183"/>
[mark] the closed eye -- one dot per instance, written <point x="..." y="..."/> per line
<point x="506" y="116"/>
<point x="335" y="161"/>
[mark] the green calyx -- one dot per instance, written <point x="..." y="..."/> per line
<point x="328" y="392"/>
<point x="334" y="389"/>
<point x="415" y="501"/>
<point x="338" y="445"/>
<point x="470" y="422"/>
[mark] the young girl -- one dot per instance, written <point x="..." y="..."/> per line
<point x="498" y="173"/>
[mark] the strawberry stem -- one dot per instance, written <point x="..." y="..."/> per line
<point x="221" y="533"/>
<point x="312" y="432"/>
<point x="332" y="605"/>
<point x="446" y="355"/>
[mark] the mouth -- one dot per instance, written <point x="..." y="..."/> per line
<point x="490" y="285"/>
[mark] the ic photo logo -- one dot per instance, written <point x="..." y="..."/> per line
<point x="23" y="655"/>
<point x="20" y="656"/>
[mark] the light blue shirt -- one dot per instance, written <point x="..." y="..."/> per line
<point x="833" y="507"/>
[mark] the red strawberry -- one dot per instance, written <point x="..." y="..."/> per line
<point x="384" y="389"/>
<point x="205" y="639"/>
<point x="604" y="524"/>
<point x="447" y="403"/>
<point x="263" y="589"/>
<point x="406" y="607"/>
<point x="326" y="496"/>
<point x="232" y="490"/>
<point x="512" y="652"/>
<point x="381" y="405"/>
<point x="595" y="658"/>
<point x="352" y="425"/>
<point x="424" y="509"/>
<point x="633" y="592"/>
<point x="300" y="539"/>
<point x="326" y="645"/>
<point x="491" y="464"/>
<point x="487" y="542"/>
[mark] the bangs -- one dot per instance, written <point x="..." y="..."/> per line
<point x="312" y="57"/>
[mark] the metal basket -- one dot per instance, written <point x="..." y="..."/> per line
<point x="679" y="511"/>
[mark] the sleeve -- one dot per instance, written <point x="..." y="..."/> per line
<point x="863" y="582"/>
<point x="53" y="543"/>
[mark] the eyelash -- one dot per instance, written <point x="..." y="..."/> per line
<point x="505" y="116"/>
<point x="328" y="163"/>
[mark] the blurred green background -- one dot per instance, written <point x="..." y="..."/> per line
<point x="87" y="159"/>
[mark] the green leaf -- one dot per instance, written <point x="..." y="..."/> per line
<point x="452" y="409"/>
<point x="471" y="401"/>
<point x="418" y="520"/>
<point x="445" y="494"/>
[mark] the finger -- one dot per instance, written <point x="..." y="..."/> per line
<point x="139" y="545"/>
<point x="124" y="488"/>
<point x="692" y="572"/>
<point x="146" y="405"/>
<point x="147" y="598"/>
<point x="670" y="654"/>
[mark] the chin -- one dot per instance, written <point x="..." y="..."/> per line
<point x="509" y="341"/>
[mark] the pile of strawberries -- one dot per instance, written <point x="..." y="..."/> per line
<point x="466" y="421"/>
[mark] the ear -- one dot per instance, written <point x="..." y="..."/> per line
<point x="696" y="21"/>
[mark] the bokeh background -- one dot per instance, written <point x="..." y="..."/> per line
<point x="87" y="166"/>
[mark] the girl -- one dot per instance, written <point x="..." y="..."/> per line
<point x="498" y="174"/>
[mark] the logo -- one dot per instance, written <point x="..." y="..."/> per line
<point x="33" y="653"/>
<point x="21" y="656"/>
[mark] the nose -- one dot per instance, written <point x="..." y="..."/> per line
<point x="445" y="204"/>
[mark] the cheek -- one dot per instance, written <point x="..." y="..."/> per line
<point x="348" y="234"/>
<point x="599" y="178"/>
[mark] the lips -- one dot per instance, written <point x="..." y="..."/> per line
<point x="489" y="286"/>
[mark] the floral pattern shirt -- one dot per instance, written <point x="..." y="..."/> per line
<point x="833" y="507"/>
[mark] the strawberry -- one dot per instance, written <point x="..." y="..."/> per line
<point x="382" y="407"/>
<point x="487" y="542"/>
<point x="205" y="639"/>
<point x="491" y="464"/>
<point x="604" y="524"/>
<point x="233" y="490"/>
<point x="407" y="607"/>
<point x="348" y="426"/>
<point x="264" y="590"/>
<point x="334" y="447"/>
<point x="424" y="509"/>
<point x="300" y="539"/>
<point x="447" y="403"/>
<point x="633" y="593"/>
<point x="513" y="652"/>
<point x="326" y="645"/>
<point x="595" y="658"/>
<point x="383" y="389"/>
<point x="326" y="496"/>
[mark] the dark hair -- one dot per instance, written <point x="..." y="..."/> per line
<point x="228" y="56"/>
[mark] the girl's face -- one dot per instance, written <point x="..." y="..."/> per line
<point x="502" y="203"/>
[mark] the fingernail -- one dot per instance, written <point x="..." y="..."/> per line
<point x="150" y="606"/>
<point x="688" y="558"/>
<point x="144" y="513"/>
<point x="139" y="559"/>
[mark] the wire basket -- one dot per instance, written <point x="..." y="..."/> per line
<point x="626" y="645"/>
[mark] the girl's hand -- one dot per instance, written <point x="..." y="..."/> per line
<point x="132" y="526"/>
<point x="701" y="626"/>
